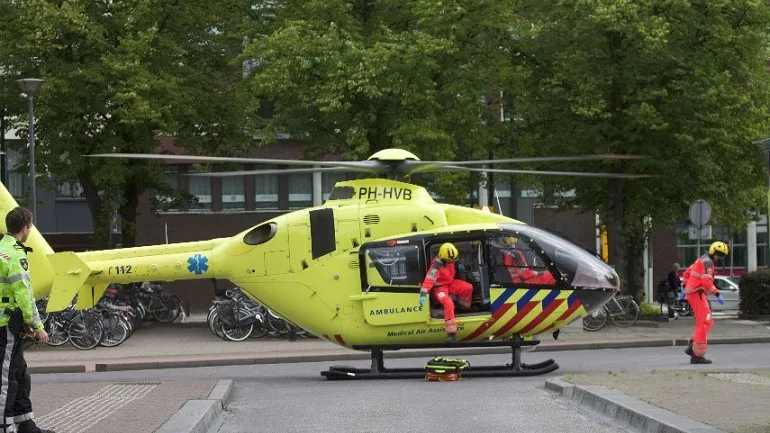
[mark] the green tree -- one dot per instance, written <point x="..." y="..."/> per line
<point x="119" y="75"/>
<point x="360" y="76"/>
<point x="681" y="81"/>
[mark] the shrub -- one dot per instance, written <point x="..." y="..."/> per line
<point x="755" y="293"/>
<point x="649" y="309"/>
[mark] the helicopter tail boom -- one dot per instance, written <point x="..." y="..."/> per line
<point x="89" y="273"/>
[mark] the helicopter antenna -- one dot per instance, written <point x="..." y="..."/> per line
<point x="500" y="208"/>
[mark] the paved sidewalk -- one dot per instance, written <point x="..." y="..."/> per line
<point x="192" y="344"/>
<point x="734" y="402"/>
<point x="105" y="407"/>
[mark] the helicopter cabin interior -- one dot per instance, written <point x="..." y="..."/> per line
<point x="485" y="261"/>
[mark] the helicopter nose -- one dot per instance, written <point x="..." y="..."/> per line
<point x="594" y="281"/>
<point x="593" y="299"/>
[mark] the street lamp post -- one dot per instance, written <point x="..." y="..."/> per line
<point x="31" y="86"/>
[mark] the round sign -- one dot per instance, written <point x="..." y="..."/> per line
<point x="700" y="212"/>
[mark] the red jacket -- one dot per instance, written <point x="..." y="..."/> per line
<point x="700" y="275"/>
<point x="517" y="267"/>
<point x="440" y="273"/>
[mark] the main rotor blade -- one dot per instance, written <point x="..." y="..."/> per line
<point x="372" y="165"/>
<point x="421" y="166"/>
<point x="273" y="171"/>
<point x="543" y="159"/>
<point x="551" y="173"/>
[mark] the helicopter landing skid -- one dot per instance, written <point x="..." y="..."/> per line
<point x="378" y="370"/>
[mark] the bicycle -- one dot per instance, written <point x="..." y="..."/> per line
<point x="622" y="310"/>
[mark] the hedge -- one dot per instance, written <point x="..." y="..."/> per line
<point x="755" y="293"/>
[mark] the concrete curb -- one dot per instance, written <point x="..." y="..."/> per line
<point x="201" y="416"/>
<point x="223" y="391"/>
<point x="205" y="361"/>
<point x="626" y="412"/>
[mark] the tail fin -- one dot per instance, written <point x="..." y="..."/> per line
<point x="40" y="267"/>
<point x="73" y="272"/>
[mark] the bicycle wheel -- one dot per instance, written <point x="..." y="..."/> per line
<point x="57" y="333"/>
<point x="86" y="331"/>
<point x="115" y="330"/>
<point x="596" y="320"/>
<point x="276" y="325"/>
<point x="216" y="326"/>
<point x="627" y="314"/>
<point x="260" y="327"/>
<point x="166" y="308"/>
<point x="210" y="318"/>
<point x="242" y="332"/>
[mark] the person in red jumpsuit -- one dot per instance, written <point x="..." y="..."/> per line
<point x="441" y="282"/>
<point x="698" y="284"/>
<point x="520" y="271"/>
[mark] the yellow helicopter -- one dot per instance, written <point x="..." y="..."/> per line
<point x="350" y="270"/>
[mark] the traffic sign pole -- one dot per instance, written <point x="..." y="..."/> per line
<point x="700" y="214"/>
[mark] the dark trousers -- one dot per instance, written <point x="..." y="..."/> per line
<point x="15" y="383"/>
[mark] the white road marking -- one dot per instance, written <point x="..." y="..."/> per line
<point x="82" y="413"/>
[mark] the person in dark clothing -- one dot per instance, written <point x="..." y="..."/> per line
<point x="672" y="280"/>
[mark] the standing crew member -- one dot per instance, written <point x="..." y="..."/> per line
<point x="441" y="281"/>
<point x="699" y="283"/>
<point x="17" y="311"/>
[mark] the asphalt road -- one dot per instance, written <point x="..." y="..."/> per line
<point x="726" y="357"/>
<point x="483" y="405"/>
<point x="294" y="397"/>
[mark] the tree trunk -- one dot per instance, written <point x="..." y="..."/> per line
<point x="615" y="220"/>
<point x="634" y="246"/>
<point x="127" y="212"/>
<point x="96" y="208"/>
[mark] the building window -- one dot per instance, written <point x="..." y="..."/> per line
<point x="328" y="180"/>
<point x="17" y="182"/>
<point x="300" y="190"/>
<point x="688" y="248"/>
<point x="762" y="244"/>
<point x="70" y="190"/>
<point x="200" y="188"/>
<point x="266" y="189"/>
<point x="166" y="202"/>
<point x="234" y="193"/>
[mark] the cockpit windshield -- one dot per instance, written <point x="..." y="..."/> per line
<point x="580" y="267"/>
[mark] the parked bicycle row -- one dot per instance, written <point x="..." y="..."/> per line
<point x="236" y="317"/>
<point x="113" y="319"/>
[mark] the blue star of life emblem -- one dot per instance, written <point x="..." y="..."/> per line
<point x="198" y="264"/>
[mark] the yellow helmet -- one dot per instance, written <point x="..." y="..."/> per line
<point x="508" y="241"/>
<point x="448" y="251"/>
<point x="719" y="248"/>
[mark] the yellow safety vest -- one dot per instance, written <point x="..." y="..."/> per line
<point x="15" y="285"/>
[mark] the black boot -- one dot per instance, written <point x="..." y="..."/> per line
<point x="699" y="360"/>
<point x="688" y="351"/>
<point x="29" y="426"/>
<point x="450" y="338"/>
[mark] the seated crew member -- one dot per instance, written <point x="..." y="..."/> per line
<point x="441" y="281"/>
<point x="516" y="264"/>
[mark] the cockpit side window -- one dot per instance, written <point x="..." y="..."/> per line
<point x="576" y="266"/>
<point x="260" y="234"/>
<point x="389" y="267"/>
<point x="514" y="261"/>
